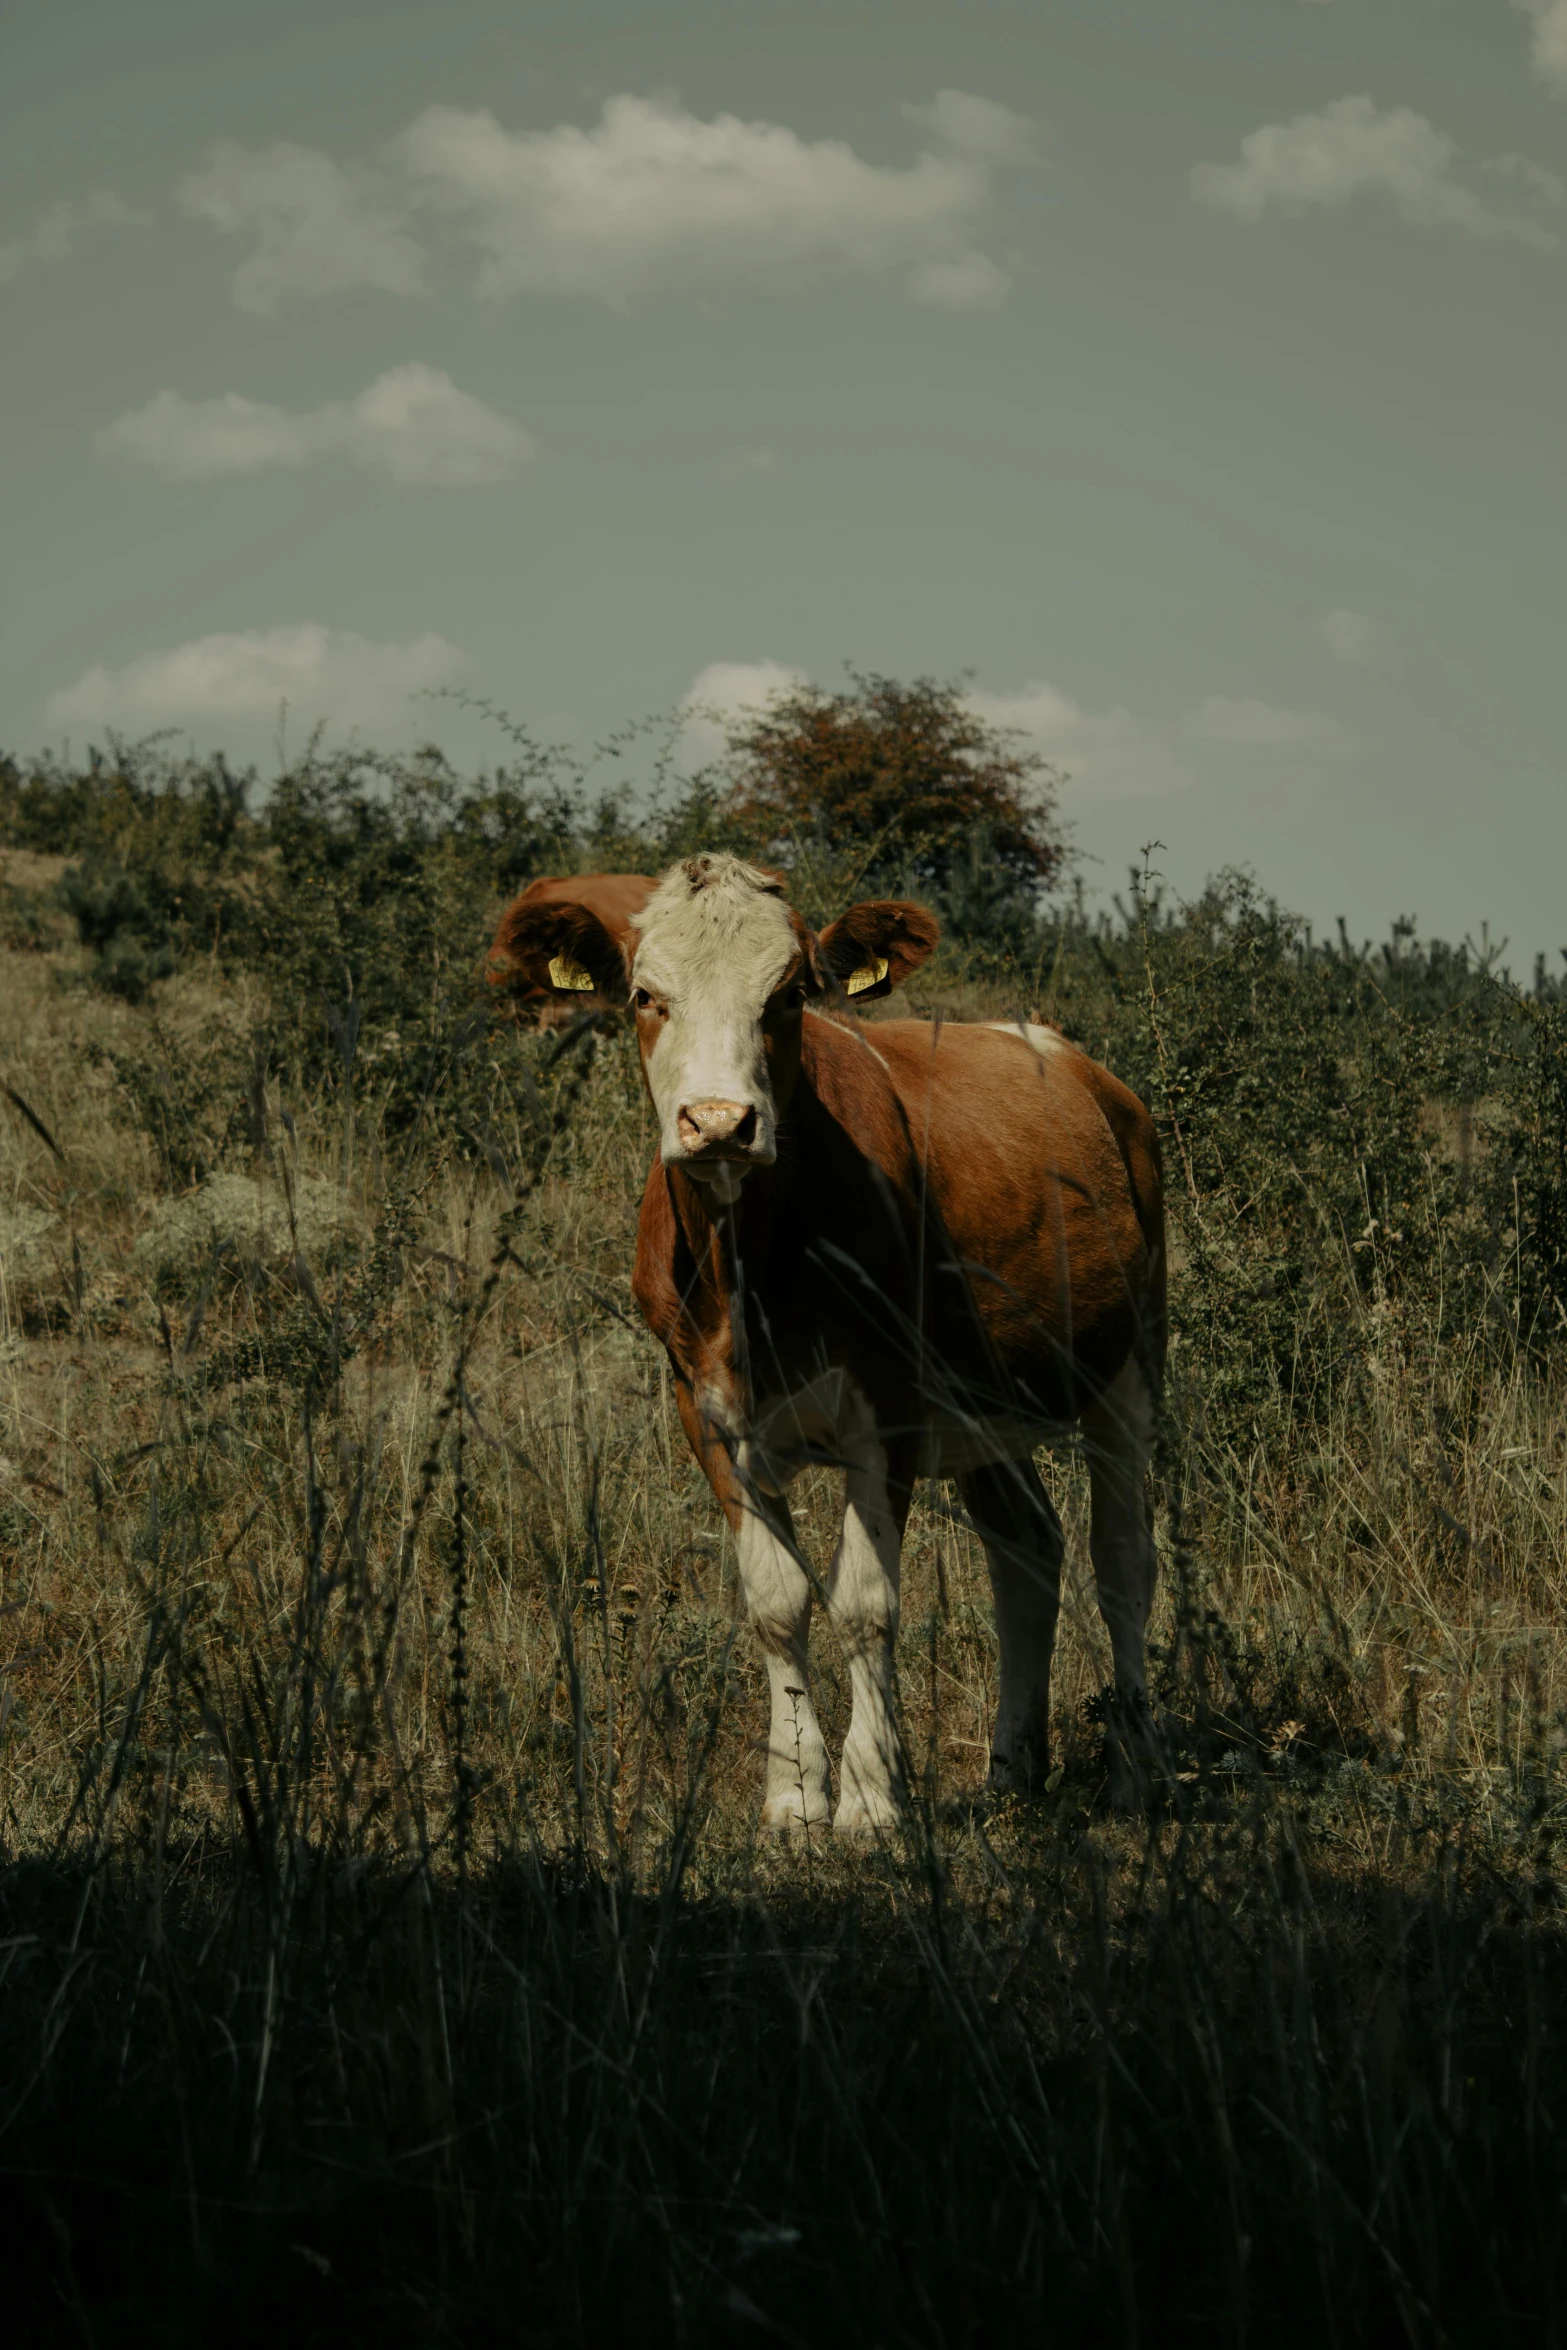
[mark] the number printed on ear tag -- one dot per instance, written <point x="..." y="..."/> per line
<point x="868" y="975"/>
<point x="567" y="974"/>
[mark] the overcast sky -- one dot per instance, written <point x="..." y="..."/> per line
<point x="1195" y="377"/>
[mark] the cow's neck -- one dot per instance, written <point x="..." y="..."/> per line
<point x="723" y="1238"/>
<point x="727" y="1252"/>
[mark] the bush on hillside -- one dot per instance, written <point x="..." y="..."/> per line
<point x="905" y="777"/>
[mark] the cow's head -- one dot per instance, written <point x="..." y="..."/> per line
<point x="719" y="969"/>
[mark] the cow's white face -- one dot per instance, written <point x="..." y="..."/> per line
<point x="719" y="978"/>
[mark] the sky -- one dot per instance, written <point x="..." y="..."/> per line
<point x="1190" y="382"/>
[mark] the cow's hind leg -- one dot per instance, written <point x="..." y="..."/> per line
<point x="1016" y="1520"/>
<point x="862" y="1602"/>
<point x="778" y="1597"/>
<point x="1118" y="1434"/>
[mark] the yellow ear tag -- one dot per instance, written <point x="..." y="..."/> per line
<point x="868" y="975"/>
<point x="569" y="975"/>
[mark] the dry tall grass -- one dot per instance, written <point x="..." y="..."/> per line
<point x="388" y="1946"/>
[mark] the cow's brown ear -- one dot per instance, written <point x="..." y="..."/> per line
<point x="563" y="951"/>
<point x="872" y="948"/>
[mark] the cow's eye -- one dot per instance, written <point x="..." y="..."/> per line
<point x="643" y="1001"/>
<point x="792" y="997"/>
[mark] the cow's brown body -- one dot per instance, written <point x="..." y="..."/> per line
<point x="968" y="1225"/>
<point x="905" y="1248"/>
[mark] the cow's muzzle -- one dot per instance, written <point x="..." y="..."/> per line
<point x="712" y="1132"/>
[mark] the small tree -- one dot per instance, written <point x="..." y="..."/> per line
<point x="908" y="775"/>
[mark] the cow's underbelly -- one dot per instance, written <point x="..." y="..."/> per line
<point x="826" y="1422"/>
<point x="818" y="1421"/>
<point x="951" y="1445"/>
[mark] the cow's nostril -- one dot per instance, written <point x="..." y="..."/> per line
<point x="706" y="1125"/>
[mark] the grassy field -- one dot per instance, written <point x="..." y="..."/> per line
<point x="388" y="1948"/>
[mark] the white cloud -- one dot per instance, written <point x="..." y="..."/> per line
<point x="1354" y="148"/>
<point x="1115" y="755"/>
<point x="56" y="233"/>
<point x="318" y="226"/>
<point x="321" y="673"/>
<point x="1540" y="183"/>
<point x="975" y="126"/>
<point x="648" y="199"/>
<point x="1261" y="726"/>
<point x="1348" y="634"/>
<point x="1107" y="754"/>
<point x="741" y="685"/>
<point x="411" y="425"/>
<point x="653" y="198"/>
<point x="1548" y="42"/>
<point x="723" y="692"/>
<point x="969" y="281"/>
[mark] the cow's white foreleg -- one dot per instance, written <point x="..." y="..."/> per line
<point x="862" y="1601"/>
<point x="778" y="1596"/>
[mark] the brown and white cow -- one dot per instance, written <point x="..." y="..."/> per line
<point x="538" y="1000"/>
<point x="908" y="1248"/>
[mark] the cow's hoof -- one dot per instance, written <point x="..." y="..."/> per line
<point x="860" y="1814"/>
<point x="1028" y="1777"/>
<point x="791" y="1813"/>
<point x="1134" y="1778"/>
